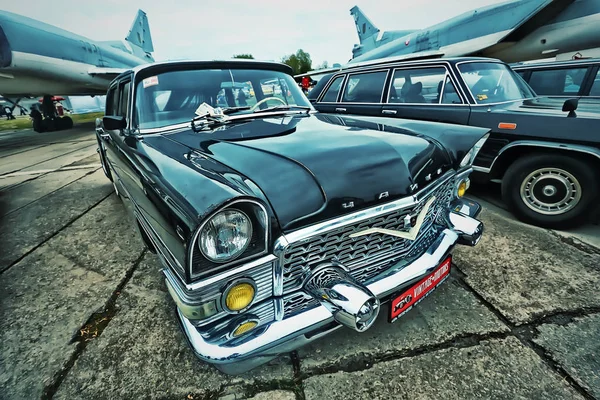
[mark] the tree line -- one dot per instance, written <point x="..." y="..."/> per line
<point x="300" y="61"/>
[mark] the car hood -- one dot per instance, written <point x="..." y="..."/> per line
<point x="551" y="106"/>
<point x="316" y="167"/>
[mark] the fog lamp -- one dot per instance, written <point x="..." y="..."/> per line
<point x="239" y="296"/>
<point x="245" y="327"/>
<point x="462" y="188"/>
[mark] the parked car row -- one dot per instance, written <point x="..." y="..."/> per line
<point x="278" y="223"/>
<point x="544" y="150"/>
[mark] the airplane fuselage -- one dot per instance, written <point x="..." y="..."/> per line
<point x="38" y="59"/>
<point x="487" y="32"/>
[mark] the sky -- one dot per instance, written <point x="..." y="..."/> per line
<point x="267" y="29"/>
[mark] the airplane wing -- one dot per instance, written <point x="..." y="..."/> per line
<point x="108" y="73"/>
<point x="531" y="17"/>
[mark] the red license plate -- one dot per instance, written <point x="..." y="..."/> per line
<point x="406" y="301"/>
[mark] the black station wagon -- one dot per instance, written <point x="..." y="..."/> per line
<point x="566" y="79"/>
<point x="545" y="152"/>
<point x="277" y="224"/>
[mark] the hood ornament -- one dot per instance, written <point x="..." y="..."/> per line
<point x="412" y="233"/>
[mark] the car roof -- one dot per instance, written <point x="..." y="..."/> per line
<point x="404" y="60"/>
<point x="210" y="64"/>
<point x="554" y="63"/>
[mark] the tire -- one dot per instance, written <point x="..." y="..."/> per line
<point x="551" y="190"/>
<point x="66" y="122"/>
<point x="103" y="162"/>
<point x="37" y="124"/>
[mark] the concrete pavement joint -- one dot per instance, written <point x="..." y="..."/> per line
<point x="92" y="329"/>
<point x="55" y="233"/>
<point x="43" y="161"/>
<point x="47" y="194"/>
<point x="526" y="332"/>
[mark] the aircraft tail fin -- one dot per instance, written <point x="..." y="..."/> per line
<point x="139" y="34"/>
<point x="364" y="26"/>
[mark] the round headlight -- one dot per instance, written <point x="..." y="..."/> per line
<point x="225" y="236"/>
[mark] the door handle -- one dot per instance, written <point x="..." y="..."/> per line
<point x="340" y="109"/>
<point x="105" y="136"/>
<point x="388" y="111"/>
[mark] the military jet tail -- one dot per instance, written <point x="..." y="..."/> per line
<point x="139" y="34"/>
<point x="364" y="26"/>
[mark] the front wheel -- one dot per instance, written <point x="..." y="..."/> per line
<point x="551" y="191"/>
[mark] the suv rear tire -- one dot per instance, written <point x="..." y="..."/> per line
<point x="550" y="190"/>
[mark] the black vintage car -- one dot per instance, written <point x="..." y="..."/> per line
<point x="277" y="224"/>
<point x="546" y="152"/>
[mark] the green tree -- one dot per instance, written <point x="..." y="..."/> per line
<point x="247" y="56"/>
<point x="300" y="62"/>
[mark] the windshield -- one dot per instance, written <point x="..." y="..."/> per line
<point x="494" y="82"/>
<point x="172" y="97"/>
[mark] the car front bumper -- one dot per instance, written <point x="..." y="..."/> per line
<point x="293" y="332"/>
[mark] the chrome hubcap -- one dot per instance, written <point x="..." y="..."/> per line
<point x="550" y="191"/>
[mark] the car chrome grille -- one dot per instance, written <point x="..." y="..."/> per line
<point x="364" y="256"/>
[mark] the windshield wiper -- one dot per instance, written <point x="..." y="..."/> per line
<point x="282" y="107"/>
<point x="230" y="110"/>
<point x="201" y="122"/>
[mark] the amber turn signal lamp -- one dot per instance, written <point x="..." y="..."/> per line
<point x="245" y="327"/>
<point x="239" y="296"/>
<point x="462" y="189"/>
<point x="507" y="125"/>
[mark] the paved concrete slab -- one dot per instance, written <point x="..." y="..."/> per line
<point x="85" y="150"/>
<point x="502" y="369"/>
<point x="102" y="240"/>
<point x="21" y="231"/>
<point x="447" y="313"/>
<point x="576" y="347"/>
<point x="45" y="299"/>
<point x="527" y="272"/>
<point x="34" y="190"/>
<point x="142" y="353"/>
<point x="37" y="156"/>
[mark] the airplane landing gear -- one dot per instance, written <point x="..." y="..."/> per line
<point x="48" y="119"/>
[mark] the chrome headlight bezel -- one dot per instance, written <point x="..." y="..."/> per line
<point x="199" y="265"/>
<point x="469" y="158"/>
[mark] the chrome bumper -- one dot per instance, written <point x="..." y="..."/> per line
<point x="300" y="329"/>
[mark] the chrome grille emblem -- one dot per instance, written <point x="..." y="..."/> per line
<point x="410" y="235"/>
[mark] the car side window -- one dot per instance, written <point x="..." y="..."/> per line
<point x="123" y="98"/>
<point x="422" y="85"/>
<point x="449" y="95"/>
<point x="564" y="81"/>
<point x="333" y="91"/>
<point x="365" y="87"/>
<point x="112" y="101"/>
<point x="595" y="90"/>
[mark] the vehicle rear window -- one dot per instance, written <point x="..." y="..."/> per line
<point x="557" y="82"/>
<point x="333" y="90"/>
<point x="364" y="88"/>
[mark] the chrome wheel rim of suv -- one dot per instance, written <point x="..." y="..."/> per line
<point x="550" y="191"/>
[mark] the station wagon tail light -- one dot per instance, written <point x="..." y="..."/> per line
<point x="239" y="296"/>
<point x="471" y="154"/>
<point x="225" y="236"/>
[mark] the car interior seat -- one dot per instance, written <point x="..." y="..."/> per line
<point x="414" y="93"/>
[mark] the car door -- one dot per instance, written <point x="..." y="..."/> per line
<point x="139" y="178"/>
<point x="425" y="93"/>
<point x="362" y="93"/>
